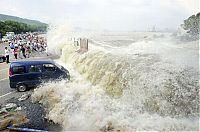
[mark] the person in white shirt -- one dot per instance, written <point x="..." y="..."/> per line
<point x="16" y="45"/>
<point x="7" y="55"/>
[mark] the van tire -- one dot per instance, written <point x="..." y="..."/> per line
<point x="21" y="88"/>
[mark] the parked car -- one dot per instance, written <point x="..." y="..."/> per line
<point x="30" y="73"/>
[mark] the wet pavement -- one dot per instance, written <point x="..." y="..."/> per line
<point x="36" y="115"/>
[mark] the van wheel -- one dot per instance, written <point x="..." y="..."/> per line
<point x="21" y="88"/>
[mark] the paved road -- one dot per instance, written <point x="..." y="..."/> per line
<point x="5" y="91"/>
<point x="4" y="83"/>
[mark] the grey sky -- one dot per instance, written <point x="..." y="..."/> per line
<point x="124" y="15"/>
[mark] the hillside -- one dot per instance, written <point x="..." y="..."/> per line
<point x="22" y="20"/>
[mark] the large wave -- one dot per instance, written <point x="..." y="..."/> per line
<point x="125" y="88"/>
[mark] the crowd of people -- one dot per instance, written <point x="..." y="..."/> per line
<point x="23" y="45"/>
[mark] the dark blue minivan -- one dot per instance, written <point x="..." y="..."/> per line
<point x="30" y="73"/>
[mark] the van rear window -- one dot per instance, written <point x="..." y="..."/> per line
<point x="18" y="70"/>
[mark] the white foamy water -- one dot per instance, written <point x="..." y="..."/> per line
<point x="126" y="81"/>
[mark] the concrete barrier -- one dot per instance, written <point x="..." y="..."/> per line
<point x="83" y="45"/>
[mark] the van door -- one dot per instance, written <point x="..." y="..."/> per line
<point x="34" y="74"/>
<point x="49" y="72"/>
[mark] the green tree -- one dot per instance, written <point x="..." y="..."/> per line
<point x="191" y="25"/>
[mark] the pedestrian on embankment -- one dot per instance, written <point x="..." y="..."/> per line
<point x="23" y="51"/>
<point x="7" y="55"/>
<point x="28" y="51"/>
<point x="19" y="51"/>
<point x="15" y="52"/>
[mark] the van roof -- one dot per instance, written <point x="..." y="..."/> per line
<point x="31" y="62"/>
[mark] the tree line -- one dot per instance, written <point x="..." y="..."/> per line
<point x="18" y="27"/>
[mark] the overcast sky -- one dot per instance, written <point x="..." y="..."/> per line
<point x="122" y="15"/>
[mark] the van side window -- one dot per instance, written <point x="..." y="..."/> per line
<point x="18" y="70"/>
<point x="34" y="68"/>
<point x="49" y="67"/>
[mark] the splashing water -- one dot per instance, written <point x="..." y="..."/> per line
<point x="130" y="87"/>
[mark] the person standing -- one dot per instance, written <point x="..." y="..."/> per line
<point x="15" y="52"/>
<point x="23" y="51"/>
<point x="46" y="50"/>
<point x="19" y="51"/>
<point x="28" y="51"/>
<point x="7" y="55"/>
<point x="12" y="46"/>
